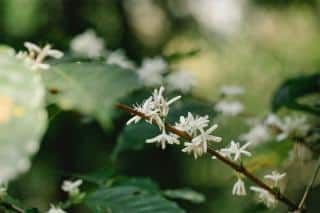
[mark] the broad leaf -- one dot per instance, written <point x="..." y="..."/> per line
<point x="185" y="194"/>
<point x="22" y="114"/>
<point x="90" y="88"/>
<point x="289" y="92"/>
<point x="123" y="199"/>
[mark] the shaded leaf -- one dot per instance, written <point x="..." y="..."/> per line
<point x="123" y="199"/>
<point x="185" y="194"/>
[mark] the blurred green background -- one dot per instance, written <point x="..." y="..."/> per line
<point x="253" y="43"/>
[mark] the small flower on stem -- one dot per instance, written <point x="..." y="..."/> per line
<point x="72" y="187"/>
<point x="275" y="177"/>
<point x="264" y="196"/>
<point x="164" y="139"/>
<point x="236" y="150"/>
<point x="192" y="124"/>
<point x="199" y="144"/>
<point x="55" y="209"/>
<point x="239" y="188"/>
<point x="36" y="55"/>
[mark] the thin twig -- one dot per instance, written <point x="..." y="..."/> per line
<point x="239" y="168"/>
<point x="309" y="187"/>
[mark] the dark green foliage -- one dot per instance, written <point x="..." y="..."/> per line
<point x="290" y="91"/>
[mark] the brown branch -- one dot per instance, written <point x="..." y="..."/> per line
<point x="239" y="168"/>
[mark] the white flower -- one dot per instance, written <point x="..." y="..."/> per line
<point x="164" y="139"/>
<point x="160" y="103"/>
<point x="119" y="58"/>
<point x="180" y="80"/>
<point x="275" y="177"/>
<point x="236" y="150"/>
<point x="194" y="147"/>
<point x="36" y="55"/>
<point x="155" y="107"/>
<point x="264" y="196"/>
<point x="239" y="188"/>
<point x="151" y="71"/>
<point x="71" y="186"/>
<point x="192" y="124"/>
<point x="54" y="209"/>
<point x="88" y="44"/>
<point x="290" y="126"/>
<point x="147" y="108"/>
<point x="229" y="108"/>
<point x="199" y="144"/>
<point x="259" y="133"/>
<point x="231" y="90"/>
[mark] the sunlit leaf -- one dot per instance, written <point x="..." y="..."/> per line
<point x="90" y="88"/>
<point x="22" y="114"/>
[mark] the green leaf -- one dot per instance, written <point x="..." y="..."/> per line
<point x="90" y="88"/>
<point x="123" y="199"/>
<point x="134" y="136"/>
<point x="99" y="177"/>
<point x="289" y="92"/>
<point x="141" y="182"/>
<point x="185" y="194"/>
<point x="174" y="57"/>
<point x="23" y="116"/>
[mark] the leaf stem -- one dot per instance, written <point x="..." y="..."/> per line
<point x="239" y="168"/>
<point x="309" y="187"/>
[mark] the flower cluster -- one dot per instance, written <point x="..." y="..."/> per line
<point x="156" y="109"/>
<point x="289" y="126"/>
<point x="36" y="55"/>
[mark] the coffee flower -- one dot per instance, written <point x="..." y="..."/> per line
<point x="199" y="144"/>
<point x="36" y="55"/>
<point x="275" y="177"/>
<point x="192" y="124"/>
<point x="235" y="150"/>
<point x="72" y="187"/>
<point x="164" y="139"/>
<point x="239" y="188"/>
<point x="54" y="209"/>
<point x="289" y="126"/>
<point x="264" y="196"/>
